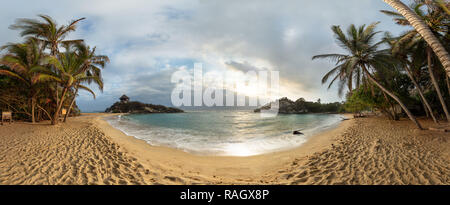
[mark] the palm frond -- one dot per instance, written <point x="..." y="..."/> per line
<point x="49" y="78"/>
<point x="332" y="57"/>
<point x="87" y="89"/>
<point x="11" y="74"/>
<point x="392" y="13"/>
<point x="331" y="72"/>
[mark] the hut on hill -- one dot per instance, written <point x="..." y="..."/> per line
<point x="124" y="99"/>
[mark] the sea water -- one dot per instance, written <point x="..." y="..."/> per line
<point x="224" y="133"/>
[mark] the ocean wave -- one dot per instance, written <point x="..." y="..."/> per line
<point x="218" y="134"/>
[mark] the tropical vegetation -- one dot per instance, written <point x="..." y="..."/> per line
<point x="42" y="75"/>
<point x="385" y="73"/>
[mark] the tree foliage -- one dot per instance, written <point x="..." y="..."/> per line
<point x="37" y="80"/>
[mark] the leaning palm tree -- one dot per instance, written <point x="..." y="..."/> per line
<point x="92" y="67"/>
<point x="71" y="72"/>
<point x="421" y="27"/>
<point x="402" y="47"/>
<point x="438" y="25"/>
<point x="362" y="58"/>
<point x="25" y="61"/>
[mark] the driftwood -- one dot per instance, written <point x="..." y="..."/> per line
<point x="439" y="129"/>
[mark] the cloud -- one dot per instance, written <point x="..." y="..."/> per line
<point x="147" y="40"/>
<point x="243" y="67"/>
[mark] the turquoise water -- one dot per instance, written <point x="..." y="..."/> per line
<point x="224" y="133"/>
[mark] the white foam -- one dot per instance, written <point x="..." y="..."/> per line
<point x="196" y="142"/>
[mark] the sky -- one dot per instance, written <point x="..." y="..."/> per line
<point x="147" y="41"/>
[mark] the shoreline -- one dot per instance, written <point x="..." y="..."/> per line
<point x="219" y="168"/>
<point x="322" y="132"/>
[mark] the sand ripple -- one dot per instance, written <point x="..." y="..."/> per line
<point x="370" y="151"/>
<point x="64" y="155"/>
<point x="375" y="151"/>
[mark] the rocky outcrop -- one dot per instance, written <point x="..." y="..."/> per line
<point x="301" y="106"/>
<point x="287" y="106"/>
<point x="138" y="107"/>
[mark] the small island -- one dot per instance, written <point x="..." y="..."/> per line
<point x="135" y="107"/>
<point x="301" y="106"/>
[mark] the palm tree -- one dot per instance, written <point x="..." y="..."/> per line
<point x="401" y="48"/>
<point x="25" y="61"/>
<point x="347" y="65"/>
<point x="92" y="67"/>
<point x="363" y="55"/>
<point x="49" y="33"/>
<point x="421" y="27"/>
<point x="71" y="73"/>
<point x="438" y="25"/>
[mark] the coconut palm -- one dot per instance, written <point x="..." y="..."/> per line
<point x="24" y="62"/>
<point x="402" y="47"/>
<point x="49" y="33"/>
<point x="92" y="67"/>
<point x="362" y="60"/>
<point x="46" y="31"/>
<point x="422" y="28"/>
<point x="346" y="69"/>
<point x="71" y="73"/>
<point x="438" y="25"/>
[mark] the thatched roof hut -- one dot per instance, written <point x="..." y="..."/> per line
<point x="124" y="99"/>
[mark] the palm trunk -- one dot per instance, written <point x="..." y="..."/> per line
<point x="57" y="93"/>
<point x="370" y="87"/>
<point x="421" y="27"/>
<point x="435" y="84"/>
<point x="424" y="100"/>
<point x="61" y="102"/>
<point x="71" y="104"/>
<point x="54" y="51"/>
<point x="410" y="115"/>
<point x="38" y="118"/>
<point x="33" y="105"/>
<point x="358" y="75"/>
<point x="393" y="113"/>
<point x="350" y="84"/>
<point x="448" y="84"/>
<point x="427" y="112"/>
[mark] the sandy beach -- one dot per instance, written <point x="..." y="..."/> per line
<point x="87" y="150"/>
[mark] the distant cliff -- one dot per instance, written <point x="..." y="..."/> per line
<point x="138" y="107"/>
<point x="301" y="106"/>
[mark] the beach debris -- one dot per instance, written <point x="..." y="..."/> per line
<point x="439" y="129"/>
